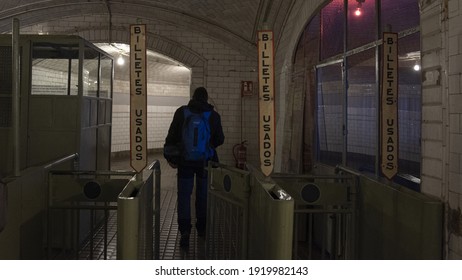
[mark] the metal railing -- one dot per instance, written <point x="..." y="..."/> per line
<point x="81" y="210"/>
<point x="270" y="220"/>
<point x="395" y="222"/>
<point x="325" y="224"/>
<point x="135" y="216"/>
<point x="85" y="219"/>
<point x="227" y="212"/>
<point x="247" y="217"/>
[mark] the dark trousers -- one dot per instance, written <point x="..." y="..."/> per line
<point x="186" y="175"/>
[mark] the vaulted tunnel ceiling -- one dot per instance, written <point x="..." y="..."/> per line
<point x="229" y="22"/>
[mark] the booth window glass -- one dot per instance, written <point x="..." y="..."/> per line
<point x="106" y="77"/>
<point x="91" y="72"/>
<point x="54" y="69"/>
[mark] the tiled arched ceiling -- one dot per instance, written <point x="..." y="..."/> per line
<point x="232" y="22"/>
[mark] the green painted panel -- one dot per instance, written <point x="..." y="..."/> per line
<point x="271" y="220"/>
<point x="398" y="223"/>
<point x="46" y="146"/>
<point x="230" y="181"/>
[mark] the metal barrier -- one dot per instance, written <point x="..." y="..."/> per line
<point x="340" y="216"/>
<point x="396" y="222"/>
<point x="271" y="216"/>
<point x="325" y="215"/>
<point x="247" y="218"/>
<point x="87" y="214"/>
<point x="227" y="213"/>
<point x="135" y="212"/>
<point x="82" y="212"/>
<point x="24" y="235"/>
<point x="399" y="223"/>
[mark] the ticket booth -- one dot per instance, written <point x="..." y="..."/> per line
<point x="65" y="102"/>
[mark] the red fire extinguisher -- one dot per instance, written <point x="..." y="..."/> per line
<point x="240" y="154"/>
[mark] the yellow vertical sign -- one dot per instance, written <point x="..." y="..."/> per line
<point x="138" y="98"/>
<point x="267" y="125"/>
<point x="389" y="106"/>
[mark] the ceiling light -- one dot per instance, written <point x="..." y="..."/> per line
<point x="120" y="61"/>
<point x="359" y="11"/>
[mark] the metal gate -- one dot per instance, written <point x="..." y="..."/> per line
<point x="248" y="216"/>
<point x="227" y="213"/>
<point x="83" y="210"/>
<point x="325" y="221"/>
<point x="138" y="238"/>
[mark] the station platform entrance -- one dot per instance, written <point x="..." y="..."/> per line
<point x="285" y="216"/>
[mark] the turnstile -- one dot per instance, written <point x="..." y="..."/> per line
<point x="248" y="217"/>
<point x="103" y="214"/>
<point x="325" y="211"/>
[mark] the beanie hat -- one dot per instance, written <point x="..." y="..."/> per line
<point x="200" y="94"/>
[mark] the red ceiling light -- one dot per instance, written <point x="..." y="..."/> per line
<point x="359" y="11"/>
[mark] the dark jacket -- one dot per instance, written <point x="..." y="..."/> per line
<point x="174" y="135"/>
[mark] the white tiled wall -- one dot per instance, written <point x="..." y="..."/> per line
<point x="159" y="118"/>
<point x="455" y="125"/>
<point x="159" y="115"/>
<point x="441" y="31"/>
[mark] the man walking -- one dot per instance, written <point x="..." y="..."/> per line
<point x="193" y="136"/>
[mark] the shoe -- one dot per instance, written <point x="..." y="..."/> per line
<point x="184" y="240"/>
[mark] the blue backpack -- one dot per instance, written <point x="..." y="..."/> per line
<point x="196" y="136"/>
